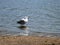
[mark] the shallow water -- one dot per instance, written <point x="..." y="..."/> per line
<point x="44" y="17"/>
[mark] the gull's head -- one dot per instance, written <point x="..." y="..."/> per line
<point x="25" y="18"/>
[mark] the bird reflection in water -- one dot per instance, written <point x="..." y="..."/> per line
<point x="25" y="30"/>
<point x="23" y="27"/>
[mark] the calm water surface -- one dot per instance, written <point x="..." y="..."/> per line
<point x="44" y="17"/>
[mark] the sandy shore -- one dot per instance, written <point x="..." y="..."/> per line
<point x="29" y="40"/>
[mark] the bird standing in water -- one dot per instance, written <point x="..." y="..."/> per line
<point x="23" y="20"/>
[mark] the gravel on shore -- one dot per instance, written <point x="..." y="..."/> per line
<point x="29" y="40"/>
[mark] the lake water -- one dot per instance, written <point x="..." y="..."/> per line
<point x="44" y="17"/>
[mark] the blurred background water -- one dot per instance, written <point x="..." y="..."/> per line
<point x="44" y="17"/>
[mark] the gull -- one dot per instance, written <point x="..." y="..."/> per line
<point x="23" y="20"/>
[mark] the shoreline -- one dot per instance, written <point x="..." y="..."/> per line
<point x="29" y="40"/>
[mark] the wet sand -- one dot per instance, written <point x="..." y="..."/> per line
<point x="29" y="40"/>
